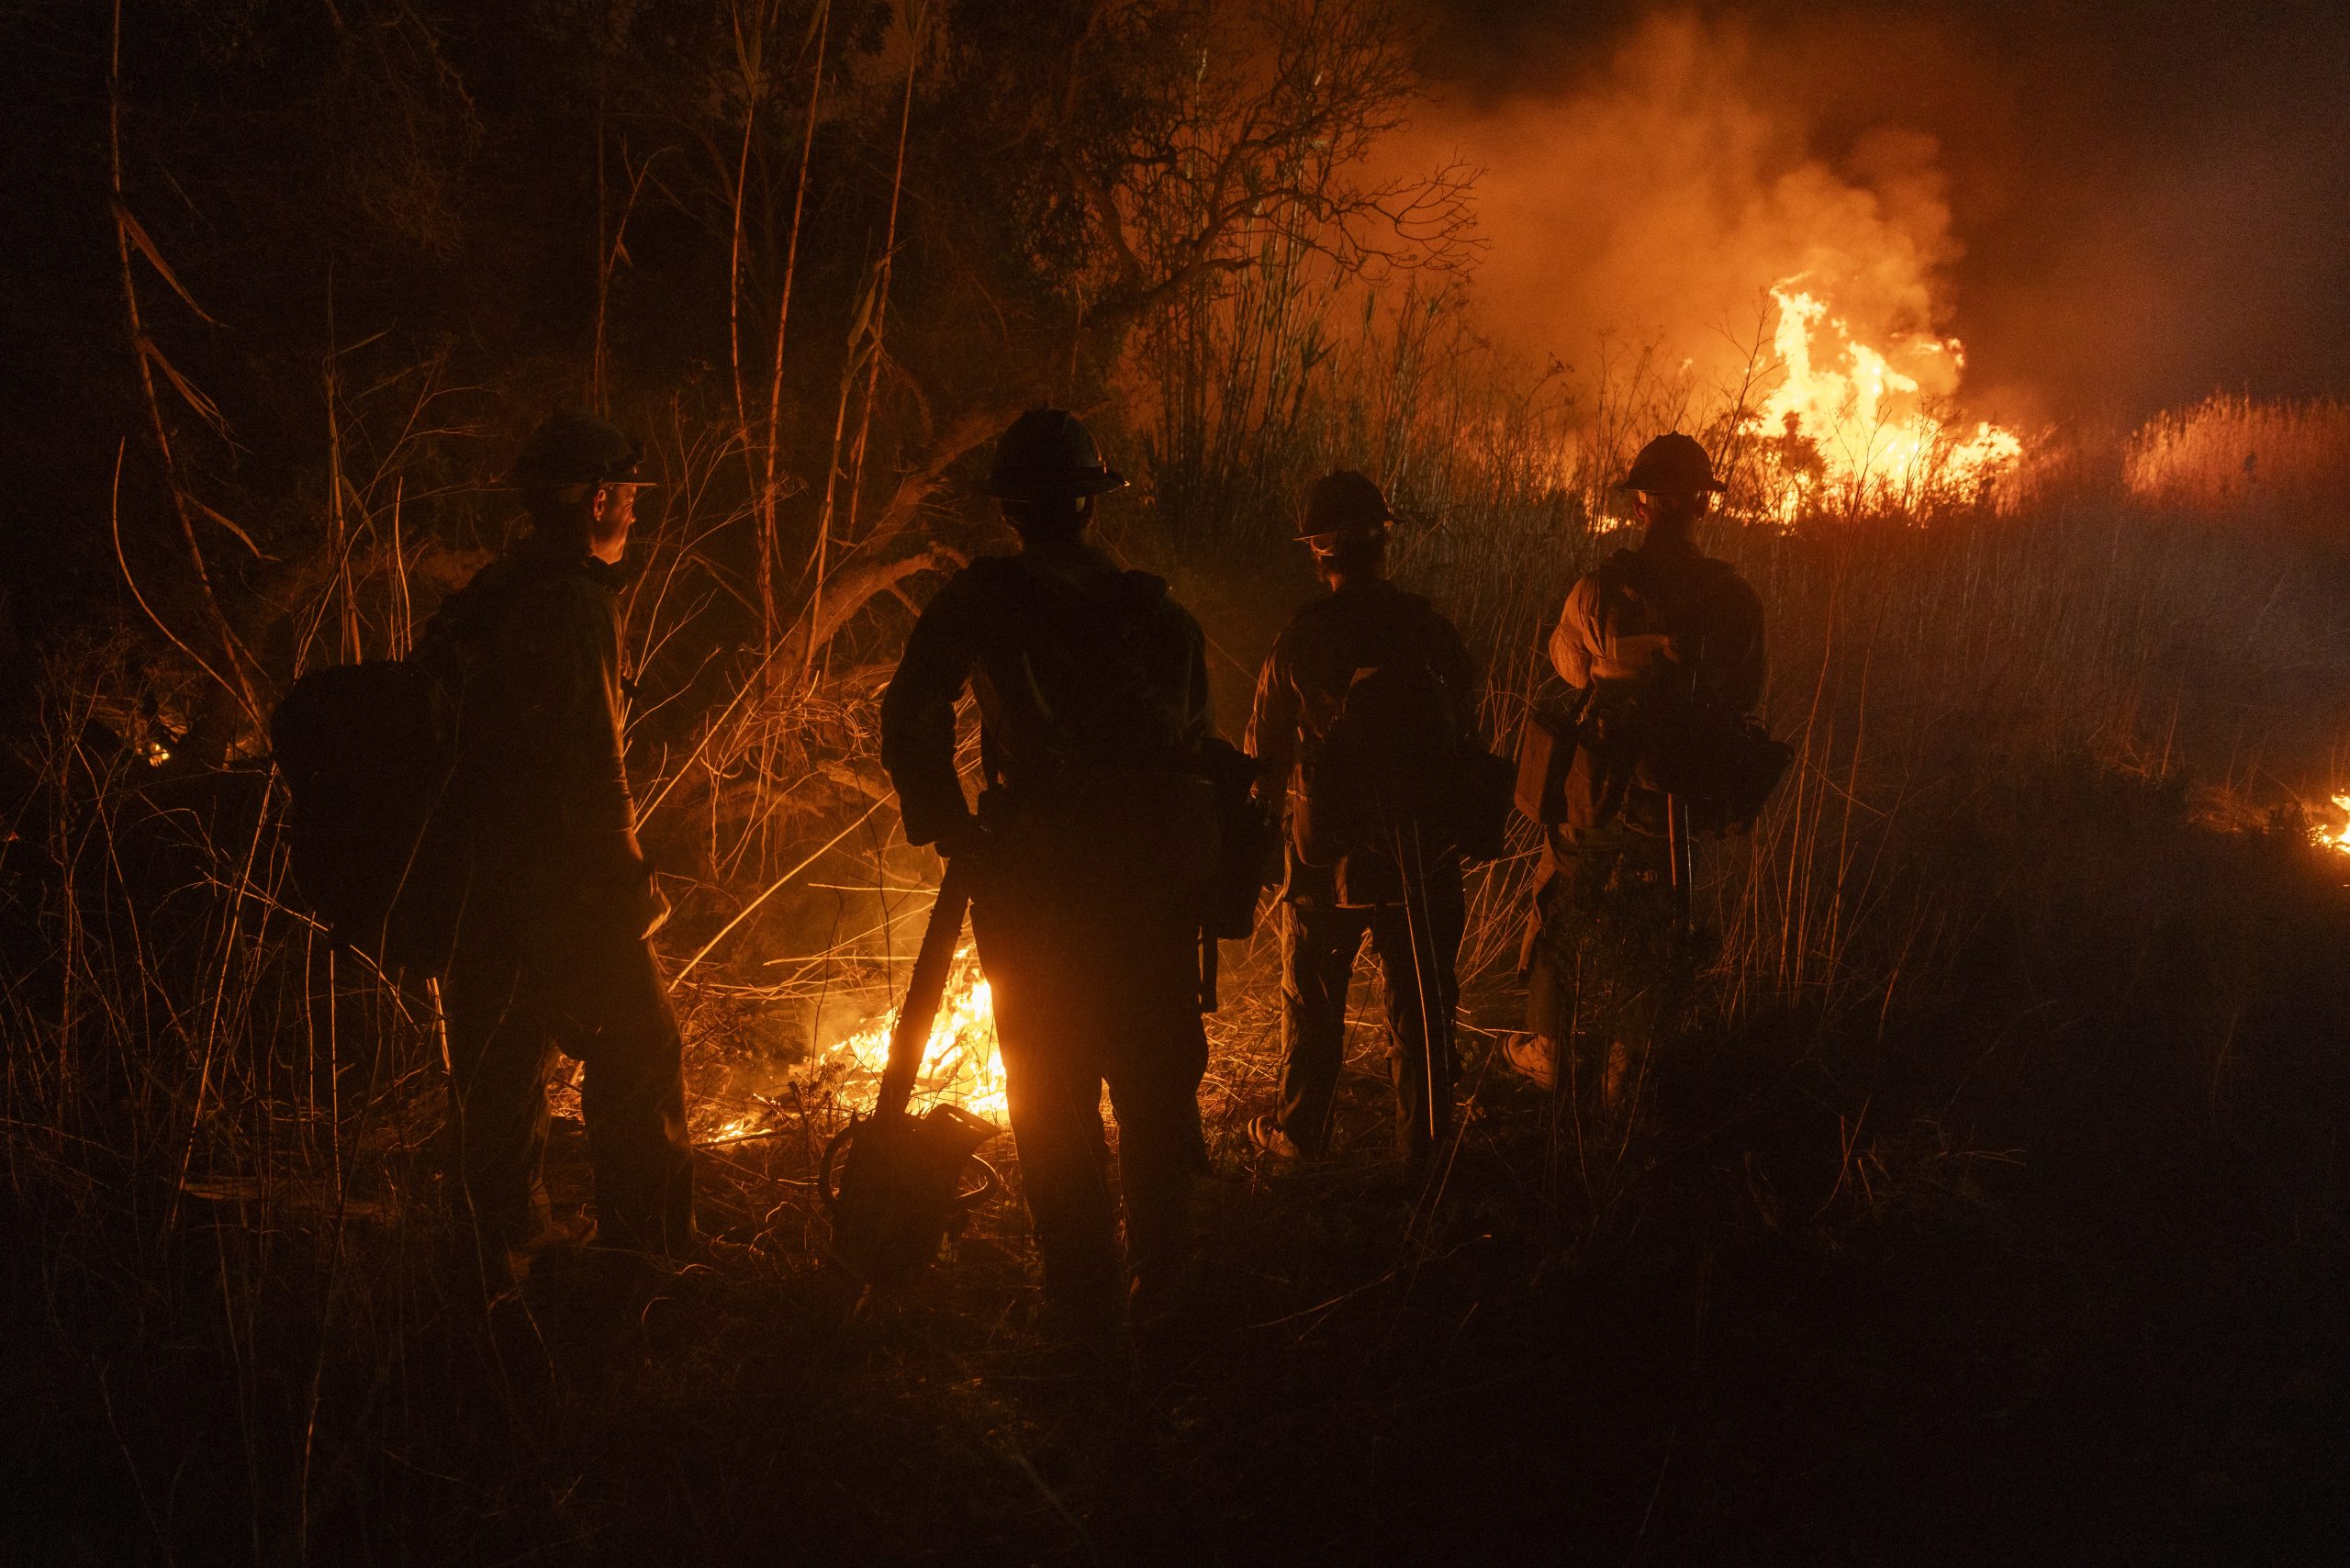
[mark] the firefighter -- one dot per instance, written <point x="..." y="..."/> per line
<point x="1392" y="875"/>
<point x="1092" y="845"/>
<point x="1606" y="955"/>
<point x="552" y="950"/>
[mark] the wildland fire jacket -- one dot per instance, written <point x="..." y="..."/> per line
<point x="1303" y="690"/>
<point x="541" y="754"/>
<point x="1368" y="624"/>
<point x="1691" y="611"/>
<point x="1090" y="679"/>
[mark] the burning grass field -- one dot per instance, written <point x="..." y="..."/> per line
<point x="1989" y="1203"/>
<point x="1989" y="1200"/>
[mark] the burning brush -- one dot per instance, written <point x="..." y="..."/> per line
<point x="1862" y="422"/>
<point x="896" y="1182"/>
<point x="2337" y="837"/>
<point x="960" y="1065"/>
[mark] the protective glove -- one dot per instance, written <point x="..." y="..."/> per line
<point x="657" y="913"/>
<point x="645" y="908"/>
<point x="965" y="837"/>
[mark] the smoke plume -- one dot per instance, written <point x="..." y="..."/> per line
<point x="1654" y="201"/>
<point x="2113" y="207"/>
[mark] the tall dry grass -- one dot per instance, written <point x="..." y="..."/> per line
<point x="1922" y="656"/>
<point x="222" y="1130"/>
<point x="2233" y="452"/>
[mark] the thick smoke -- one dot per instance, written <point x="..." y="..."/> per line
<point x="2114" y="206"/>
<point x="1654" y="199"/>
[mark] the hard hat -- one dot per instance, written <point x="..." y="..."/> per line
<point x="576" y="448"/>
<point x="1343" y="501"/>
<point x="1671" y="465"/>
<point x="1049" y="452"/>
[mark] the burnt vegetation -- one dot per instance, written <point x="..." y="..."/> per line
<point x="1989" y="1200"/>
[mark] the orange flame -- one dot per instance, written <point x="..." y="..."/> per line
<point x="2336" y="838"/>
<point x="1854" y="430"/>
<point x="960" y="1065"/>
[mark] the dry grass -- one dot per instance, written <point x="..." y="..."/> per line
<point x="219" y="1132"/>
<point x="216" y="1128"/>
<point x="2233" y="454"/>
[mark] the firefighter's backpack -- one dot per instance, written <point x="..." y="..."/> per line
<point x="1722" y="764"/>
<point x="368" y="754"/>
<point x="1619" y="753"/>
<point x="1394" y="764"/>
<point x="379" y="836"/>
<point x="1091" y="693"/>
<point x="1105" y="672"/>
<point x="1618" y="749"/>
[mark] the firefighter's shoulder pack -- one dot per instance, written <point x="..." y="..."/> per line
<point x="1378" y="766"/>
<point x="1089" y="672"/>
<point x="1634" y="735"/>
<point x="369" y="754"/>
<point x="1394" y="758"/>
<point x="1248" y="831"/>
<point x="1094" y="751"/>
<point x="367" y="751"/>
<point x="1573" y="770"/>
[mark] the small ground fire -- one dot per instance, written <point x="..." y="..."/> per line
<point x="959" y="1066"/>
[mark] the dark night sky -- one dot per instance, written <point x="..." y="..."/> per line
<point x="2148" y="201"/>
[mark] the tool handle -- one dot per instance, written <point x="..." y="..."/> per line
<point x="911" y="1039"/>
<point x="1677" y="852"/>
